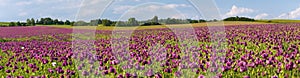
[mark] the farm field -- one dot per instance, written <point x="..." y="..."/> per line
<point x="254" y="50"/>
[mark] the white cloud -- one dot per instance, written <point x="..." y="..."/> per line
<point x="175" y="5"/>
<point x="91" y="9"/>
<point x="22" y="3"/>
<point x="290" y="15"/>
<point x="121" y="9"/>
<point x="22" y="14"/>
<point x="147" y="11"/>
<point x="178" y="16"/>
<point x="238" y="11"/>
<point x="3" y="2"/>
<point x="261" y="16"/>
<point x="152" y="8"/>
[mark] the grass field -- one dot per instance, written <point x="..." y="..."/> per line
<point x="226" y="23"/>
<point x="4" y="23"/>
<point x="279" y="21"/>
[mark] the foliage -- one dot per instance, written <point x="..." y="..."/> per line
<point x="81" y="23"/>
<point x="150" y="23"/>
<point x="106" y="22"/>
<point x="238" y="19"/>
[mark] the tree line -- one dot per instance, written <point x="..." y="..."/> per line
<point x="130" y="22"/>
<point x="237" y="18"/>
<point x="135" y="22"/>
<point x="42" y="21"/>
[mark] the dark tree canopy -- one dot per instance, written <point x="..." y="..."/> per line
<point x="238" y="19"/>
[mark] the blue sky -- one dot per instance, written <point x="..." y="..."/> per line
<point x="20" y="10"/>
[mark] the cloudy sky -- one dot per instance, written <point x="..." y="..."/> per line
<point x="20" y="10"/>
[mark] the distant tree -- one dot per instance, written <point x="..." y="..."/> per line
<point x="155" y="19"/>
<point x="215" y="20"/>
<point x="42" y="21"/>
<point x="28" y="22"/>
<point x="67" y="22"/>
<point x="238" y="19"/>
<point x="113" y="23"/>
<point x="32" y="22"/>
<point x="24" y="24"/>
<point x="106" y="22"/>
<point x="192" y="21"/>
<point x="12" y="24"/>
<point x="150" y="23"/>
<point x="81" y="23"/>
<point x="94" y="22"/>
<point x="55" y="22"/>
<point x="18" y="23"/>
<point x="99" y="21"/>
<point x="72" y="23"/>
<point x="132" y="22"/>
<point x="37" y="21"/>
<point x="201" y="20"/>
<point x="47" y="21"/>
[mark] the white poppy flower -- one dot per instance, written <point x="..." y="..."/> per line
<point x="53" y="63"/>
<point x="22" y="48"/>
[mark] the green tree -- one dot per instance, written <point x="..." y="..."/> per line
<point x="94" y="22"/>
<point x="37" y="21"/>
<point x="55" y="22"/>
<point x="24" y="24"/>
<point x="18" y="23"/>
<point x="67" y="22"/>
<point x="48" y="21"/>
<point x="12" y="24"/>
<point x="106" y="22"/>
<point x="238" y="19"/>
<point x="81" y="23"/>
<point x="32" y="22"/>
<point x="155" y="19"/>
<point x="42" y="21"/>
<point x="132" y="22"/>
<point x="28" y="22"/>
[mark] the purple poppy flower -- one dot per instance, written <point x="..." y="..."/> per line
<point x="112" y="69"/>
<point x="105" y="72"/>
<point x="168" y="70"/>
<point x="20" y="77"/>
<point x="127" y="75"/>
<point x="85" y="73"/>
<point x="43" y="76"/>
<point x="149" y="73"/>
<point x="50" y="70"/>
<point x="120" y="76"/>
<point x="7" y="71"/>
<point x="274" y="77"/>
<point x="201" y="76"/>
<point x="9" y="76"/>
<point x="243" y="69"/>
<point x="246" y="77"/>
<point x="178" y="73"/>
<point x="158" y="76"/>
<point x="62" y="76"/>
<point x="1" y="67"/>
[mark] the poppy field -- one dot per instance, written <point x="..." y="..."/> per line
<point x="252" y="51"/>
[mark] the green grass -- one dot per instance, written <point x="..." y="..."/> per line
<point x="279" y="21"/>
<point x="4" y="23"/>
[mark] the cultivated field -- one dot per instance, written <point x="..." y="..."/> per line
<point x="256" y="50"/>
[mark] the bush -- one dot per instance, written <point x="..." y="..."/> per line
<point x="238" y="19"/>
<point x="150" y="23"/>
